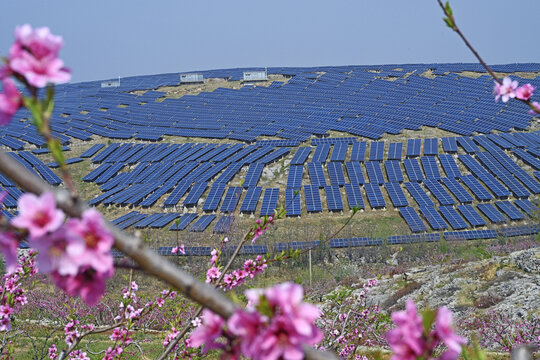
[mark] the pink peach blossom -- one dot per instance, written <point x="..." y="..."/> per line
<point x="9" y="246"/>
<point x="58" y="251"/>
<point x="406" y="341"/>
<point x="38" y="215"/>
<point x="506" y="90"/>
<point x="10" y="101"/>
<point x="87" y="283"/>
<point x="444" y="331"/>
<point x="209" y="331"/>
<point x="524" y="92"/>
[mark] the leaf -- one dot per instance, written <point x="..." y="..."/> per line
<point x="448" y="8"/>
<point x="264" y="307"/>
<point x="449" y="23"/>
<point x="48" y="103"/>
<point x="428" y="317"/>
<point x="56" y="151"/>
<point x="34" y="106"/>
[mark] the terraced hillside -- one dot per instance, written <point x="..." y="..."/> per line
<point x="420" y="149"/>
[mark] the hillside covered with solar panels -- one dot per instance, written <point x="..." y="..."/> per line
<point x="423" y="145"/>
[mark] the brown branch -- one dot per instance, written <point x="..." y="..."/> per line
<point x="135" y="248"/>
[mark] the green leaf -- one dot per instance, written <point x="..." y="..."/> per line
<point x="264" y="307"/>
<point x="56" y="151"/>
<point x="48" y="103"/>
<point x="34" y="106"/>
<point x="428" y="317"/>
<point x="448" y="8"/>
<point x="449" y="23"/>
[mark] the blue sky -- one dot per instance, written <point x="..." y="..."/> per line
<point x="105" y="39"/>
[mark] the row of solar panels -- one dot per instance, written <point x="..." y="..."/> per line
<point x="358" y="103"/>
<point x="353" y="242"/>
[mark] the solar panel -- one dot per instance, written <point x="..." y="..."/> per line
<point x="231" y="199"/>
<point x="313" y="198"/>
<point x="270" y="200"/>
<point x="431" y="169"/>
<point x="183" y="222"/>
<point x="433" y="217"/>
<point x="333" y="198"/>
<point x="354" y="171"/>
<point x="412" y="167"/>
<point x="358" y="152"/>
<point x="453" y="218"/>
<point x="491" y="213"/>
<point x="335" y="173"/>
<point x="518" y="230"/>
<point x="194" y="195"/>
<point x="321" y="153"/>
<point x="301" y="155"/>
<point x="395" y="150"/>
<point x="449" y="144"/>
<point x="468" y="145"/>
<point x="459" y="191"/>
<point x="374" y="195"/>
<point x="527" y="206"/>
<point x="316" y="174"/>
<point x="412" y="219"/>
<point x="439" y="192"/>
<point x="354" y="196"/>
<point x="292" y="202"/>
<point x="374" y="172"/>
<point x="413" y="147"/>
<point x="414" y="238"/>
<point x="474" y="218"/>
<point x="253" y="175"/>
<point x="201" y="224"/>
<point x="510" y="210"/>
<point x="431" y="146"/>
<point x="223" y="224"/>
<point x="396" y="194"/>
<point x="470" y="235"/>
<point x="214" y="197"/>
<point x="177" y="194"/>
<point x="376" y="151"/>
<point x="449" y="166"/>
<point x="251" y="199"/>
<point x="339" y="152"/>
<point x="393" y="171"/>
<point x="418" y="194"/>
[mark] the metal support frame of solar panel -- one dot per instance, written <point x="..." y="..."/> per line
<point x="413" y="147"/>
<point x="510" y="210"/>
<point x="374" y="172"/>
<point x="412" y="219"/>
<point x="293" y="205"/>
<point x="471" y="215"/>
<point x="414" y="238"/>
<point x="396" y="194"/>
<point x="195" y="193"/>
<point x="376" y="151"/>
<point x="301" y="156"/>
<point x="431" y="146"/>
<point x="453" y="218"/>
<point x="449" y="166"/>
<point x="333" y="198"/>
<point x="335" y="173"/>
<point x="223" y="225"/>
<point x="418" y="194"/>
<point x="433" y="218"/>
<point x="214" y="197"/>
<point x="527" y="206"/>
<point x="449" y="144"/>
<point x="494" y="215"/>
<point x="431" y="169"/>
<point x="316" y="174"/>
<point x="393" y="171"/>
<point x="203" y="222"/>
<point x="312" y="198"/>
<point x="269" y="203"/>
<point x="374" y="195"/>
<point x="321" y="153"/>
<point x="395" y="151"/>
<point x="518" y="230"/>
<point x="358" y="152"/>
<point x="249" y="204"/>
<point x="354" y="196"/>
<point x="439" y="192"/>
<point x="470" y="235"/>
<point x="339" y="152"/>
<point x="231" y="199"/>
